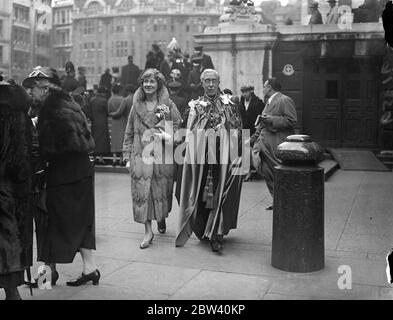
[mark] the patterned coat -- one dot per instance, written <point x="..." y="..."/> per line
<point x="205" y="113"/>
<point x="16" y="222"/>
<point x="151" y="183"/>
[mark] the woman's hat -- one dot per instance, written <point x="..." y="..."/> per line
<point x="42" y="73"/>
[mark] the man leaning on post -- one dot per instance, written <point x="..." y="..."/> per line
<point x="273" y="126"/>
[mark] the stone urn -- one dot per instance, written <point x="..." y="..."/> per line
<point x="299" y="149"/>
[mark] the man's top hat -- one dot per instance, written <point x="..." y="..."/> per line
<point x="196" y="58"/>
<point x="198" y="48"/>
<point x="331" y="1"/>
<point x="42" y="73"/>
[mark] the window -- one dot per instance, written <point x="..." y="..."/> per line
<point x="133" y="25"/>
<point x="188" y="28"/>
<point x="1" y="29"/>
<point x="21" y="13"/>
<point x="121" y="49"/>
<point x="331" y="89"/>
<point x="120" y="25"/>
<point x="1" y="54"/>
<point x="88" y="27"/>
<point x="200" y="3"/>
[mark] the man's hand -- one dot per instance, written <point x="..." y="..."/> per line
<point x="267" y="120"/>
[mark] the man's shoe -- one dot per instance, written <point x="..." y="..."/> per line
<point x="216" y="245"/>
<point x="161" y="226"/>
<point x="269" y="208"/>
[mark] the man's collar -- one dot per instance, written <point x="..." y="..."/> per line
<point x="271" y="97"/>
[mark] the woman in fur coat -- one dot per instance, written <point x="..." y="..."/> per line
<point x="16" y="220"/>
<point x="65" y="143"/>
<point x="151" y="175"/>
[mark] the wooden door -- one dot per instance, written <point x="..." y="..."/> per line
<point x="341" y="102"/>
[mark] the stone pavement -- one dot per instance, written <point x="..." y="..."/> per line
<point x="358" y="234"/>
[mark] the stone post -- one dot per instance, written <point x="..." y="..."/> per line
<point x="298" y="218"/>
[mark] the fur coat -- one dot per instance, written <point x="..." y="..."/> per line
<point x="151" y="183"/>
<point x="62" y="127"/>
<point x="16" y="222"/>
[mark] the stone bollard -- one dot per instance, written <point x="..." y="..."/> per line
<point x="298" y="218"/>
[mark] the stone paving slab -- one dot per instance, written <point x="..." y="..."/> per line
<point x="243" y="270"/>
<point x="209" y="285"/>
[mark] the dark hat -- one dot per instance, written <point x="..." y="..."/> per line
<point x="313" y="4"/>
<point x="247" y="88"/>
<point x="198" y="48"/>
<point x="196" y="58"/>
<point x="174" y="85"/>
<point x="334" y="1"/>
<point x="69" y="67"/>
<point x="42" y="73"/>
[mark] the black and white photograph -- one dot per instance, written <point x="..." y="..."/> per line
<point x="196" y="155"/>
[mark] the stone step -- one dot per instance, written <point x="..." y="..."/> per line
<point x="330" y="166"/>
<point x="110" y="169"/>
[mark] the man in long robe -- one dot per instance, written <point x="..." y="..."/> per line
<point x="209" y="195"/>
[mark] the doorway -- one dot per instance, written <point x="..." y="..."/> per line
<point x="341" y="101"/>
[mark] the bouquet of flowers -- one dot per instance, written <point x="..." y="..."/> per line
<point x="162" y="111"/>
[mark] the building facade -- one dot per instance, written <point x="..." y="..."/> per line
<point x="5" y="36"/>
<point x="332" y="73"/>
<point x="62" y="11"/>
<point x="105" y="32"/>
<point x="24" y="36"/>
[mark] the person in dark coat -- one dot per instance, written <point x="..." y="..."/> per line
<point x="16" y="220"/>
<point x="82" y="82"/>
<point x="97" y="112"/>
<point x="130" y="73"/>
<point x="174" y="94"/>
<point x="249" y="108"/>
<point x="65" y="143"/>
<point x="316" y="17"/>
<point x="194" y="78"/>
<point x="119" y="122"/>
<point x="106" y="81"/>
<point x="206" y="62"/>
<point x="69" y="83"/>
<point x="367" y="12"/>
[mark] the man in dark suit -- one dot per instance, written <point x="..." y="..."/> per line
<point x="130" y="73"/>
<point x="276" y="123"/>
<point x="206" y="62"/>
<point x="249" y="108"/>
<point x="316" y="17"/>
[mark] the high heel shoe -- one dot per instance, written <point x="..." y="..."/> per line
<point x="145" y="244"/>
<point x="84" y="278"/>
<point x="34" y="285"/>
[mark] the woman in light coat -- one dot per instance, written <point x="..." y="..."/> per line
<point x="151" y="176"/>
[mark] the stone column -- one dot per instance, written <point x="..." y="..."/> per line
<point x="298" y="218"/>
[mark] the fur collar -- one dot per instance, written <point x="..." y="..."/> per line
<point x="14" y="97"/>
<point x="139" y="104"/>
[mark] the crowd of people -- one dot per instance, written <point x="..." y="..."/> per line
<point x="369" y="11"/>
<point x="51" y="125"/>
